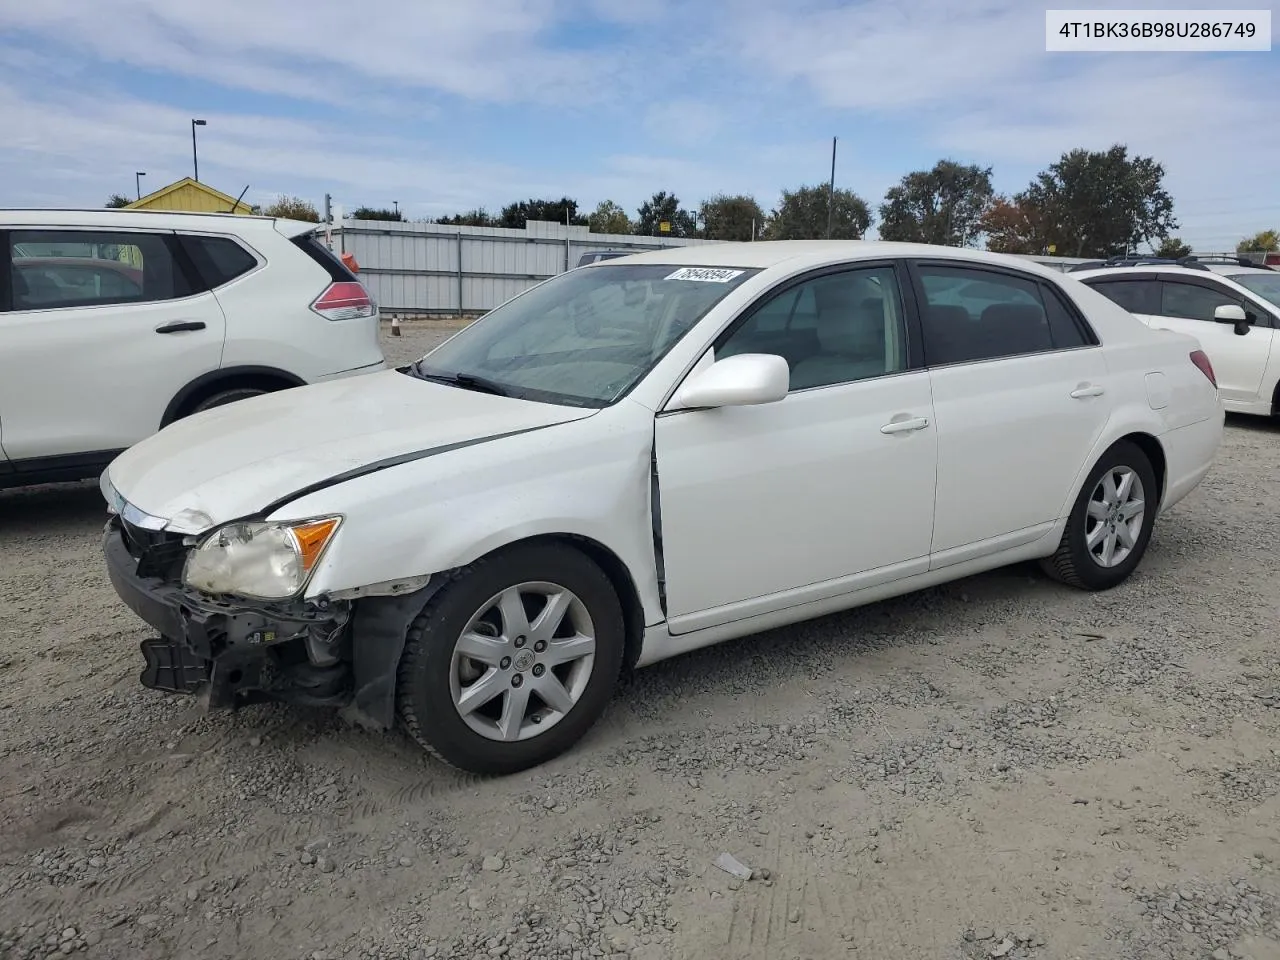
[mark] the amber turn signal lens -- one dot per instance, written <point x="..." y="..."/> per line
<point x="312" y="538"/>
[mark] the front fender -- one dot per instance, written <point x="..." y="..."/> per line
<point x="589" y="478"/>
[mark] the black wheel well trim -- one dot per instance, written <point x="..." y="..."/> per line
<point x="1150" y="445"/>
<point x="1275" y="400"/>
<point x="220" y="377"/>
<point x="379" y="624"/>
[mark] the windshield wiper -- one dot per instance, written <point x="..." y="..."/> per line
<point x="467" y="381"/>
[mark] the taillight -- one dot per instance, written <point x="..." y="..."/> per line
<point x="344" y="301"/>
<point x="1199" y="358"/>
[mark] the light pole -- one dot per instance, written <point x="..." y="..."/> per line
<point x="195" y="160"/>
<point x="137" y="181"/>
<point x="831" y="189"/>
<point x="396" y="204"/>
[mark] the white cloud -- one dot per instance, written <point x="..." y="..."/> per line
<point x="971" y="78"/>
<point x="325" y="50"/>
<point x="698" y="98"/>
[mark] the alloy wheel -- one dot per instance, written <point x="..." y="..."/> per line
<point x="1116" y="512"/>
<point x="523" y="661"/>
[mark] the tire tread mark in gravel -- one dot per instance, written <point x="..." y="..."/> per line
<point x="794" y="889"/>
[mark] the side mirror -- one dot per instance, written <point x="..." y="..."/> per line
<point x="738" y="381"/>
<point x="1233" y="314"/>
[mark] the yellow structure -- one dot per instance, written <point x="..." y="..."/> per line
<point x="190" y="196"/>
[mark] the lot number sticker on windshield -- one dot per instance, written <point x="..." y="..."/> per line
<point x="705" y="274"/>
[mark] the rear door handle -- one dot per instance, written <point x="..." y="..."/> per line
<point x="905" y="426"/>
<point x="178" y="326"/>
<point x="1087" y="390"/>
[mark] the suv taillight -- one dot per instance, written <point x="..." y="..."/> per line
<point x="1201" y="360"/>
<point x="344" y="301"/>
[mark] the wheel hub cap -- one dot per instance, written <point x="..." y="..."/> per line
<point x="523" y="661"/>
<point x="1116" y="513"/>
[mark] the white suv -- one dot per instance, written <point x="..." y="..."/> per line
<point x="113" y="324"/>
<point x="1231" y="307"/>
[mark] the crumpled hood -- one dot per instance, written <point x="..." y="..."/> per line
<point x="235" y="460"/>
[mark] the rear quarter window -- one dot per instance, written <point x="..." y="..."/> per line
<point x="218" y="260"/>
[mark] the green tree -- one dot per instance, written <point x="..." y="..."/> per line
<point x="1013" y="227"/>
<point x="801" y="214"/>
<point x="117" y="200"/>
<point x="1173" y="248"/>
<point x="944" y="205"/>
<point x="292" y="208"/>
<point x="472" y="218"/>
<point x="608" y="217"/>
<point x="376" y="213"/>
<point x="737" y="217"/>
<point x="1268" y="241"/>
<point x="515" y="215"/>
<point x="661" y="208"/>
<point x="1098" y="204"/>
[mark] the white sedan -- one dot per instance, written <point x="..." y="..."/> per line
<point x="642" y="457"/>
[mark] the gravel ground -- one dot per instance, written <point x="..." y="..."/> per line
<point x="1000" y="767"/>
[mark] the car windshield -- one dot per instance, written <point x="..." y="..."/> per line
<point x="1265" y="285"/>
<point x="583" y="338"/>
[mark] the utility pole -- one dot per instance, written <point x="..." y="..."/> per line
<point x="137" y="181"/>
<point x="328" y="221"/>
<point x="831" y="189"/>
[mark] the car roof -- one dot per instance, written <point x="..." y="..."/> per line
<point x="150" y="219"/>
<point x="1227" y="270"/>
<point x="1145" y="268"/>
<point x="800" y="254"/>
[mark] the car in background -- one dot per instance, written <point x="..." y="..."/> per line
<point x="114" y="324"/>
<point x="1231" y="306"/>
<point x="596" y="256"/>
<point x="634" y="460"/>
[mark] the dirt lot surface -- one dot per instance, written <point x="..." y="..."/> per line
<point x="1001" y="767"/>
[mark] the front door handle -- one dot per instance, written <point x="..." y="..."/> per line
<point x="1087" y="390"/>
<point x="178" y="326"/>
<point x="905" y="426"/>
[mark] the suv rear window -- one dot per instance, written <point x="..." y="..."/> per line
<point x="314" y="247"/>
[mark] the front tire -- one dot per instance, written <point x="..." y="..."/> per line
<point x="513" y="662"/>
<point x="1111" y="522"/>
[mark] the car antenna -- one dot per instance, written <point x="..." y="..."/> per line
<point x="239" y="198"/>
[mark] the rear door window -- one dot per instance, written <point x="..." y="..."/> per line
<point x="51" y="269"/>
<point x="1136" y="296"/>
<point x="969" y="314"/>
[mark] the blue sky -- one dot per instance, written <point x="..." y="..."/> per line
<point x="444" y="105"/>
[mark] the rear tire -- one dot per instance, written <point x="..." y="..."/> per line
<point x="480" y="657"/>
<point x="1111" y="522"/>
<point x="224" y="397"/>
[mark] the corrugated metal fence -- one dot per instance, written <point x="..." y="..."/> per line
<point x="432" y="268"/>
<point x="435" y="268"/>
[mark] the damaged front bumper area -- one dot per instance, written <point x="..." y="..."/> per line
<point x="228" y="653"/>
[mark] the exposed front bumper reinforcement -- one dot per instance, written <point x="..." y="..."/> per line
<point x="229" y="653"/>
